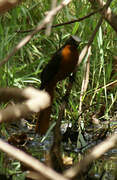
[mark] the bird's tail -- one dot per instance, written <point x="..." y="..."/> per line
<point x="43" y="118"/>
<point x="43" y="121"/>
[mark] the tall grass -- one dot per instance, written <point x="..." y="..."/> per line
<point x="24" y="68"/>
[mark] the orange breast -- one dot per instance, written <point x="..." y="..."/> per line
<point x="66" y="53"/>
<point x="69" y="61"/>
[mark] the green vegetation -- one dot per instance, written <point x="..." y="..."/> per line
<point x="24" y="68"/>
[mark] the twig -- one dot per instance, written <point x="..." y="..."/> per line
<point x="65" y="23"/>
<point x="96" y="152"/>
<point x="30" y="161"/>
<point x="25" y="40"/>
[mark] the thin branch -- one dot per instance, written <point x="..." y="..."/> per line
<point x="30" y="161"/>
<point x="25" y="40"/>
<point x="65" y="23"/>
<point x="96" y="152"/>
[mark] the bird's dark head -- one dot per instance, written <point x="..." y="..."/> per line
<point x="73" y="40"/>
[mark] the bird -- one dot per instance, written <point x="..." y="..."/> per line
<point x="61" y="65"/>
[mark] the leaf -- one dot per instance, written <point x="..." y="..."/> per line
<point x="75" y="28"/>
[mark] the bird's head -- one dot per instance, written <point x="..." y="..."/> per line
<point x="73" y="40"/>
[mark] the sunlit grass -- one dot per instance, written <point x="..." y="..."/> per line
<point x="24" y="68"/>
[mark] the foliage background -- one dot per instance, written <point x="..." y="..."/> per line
<point x="24" y="68"/>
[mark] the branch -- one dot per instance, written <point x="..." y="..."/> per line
<point x="49" y="25"/>
<point x="108" y="15"/>
<point x="25" y="40"/>
<point x="30" y="161"/>
<point x="34" y="102"/>
<point x="96" y="152"/>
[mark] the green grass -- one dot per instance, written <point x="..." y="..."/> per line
<point x="24" y="68"/>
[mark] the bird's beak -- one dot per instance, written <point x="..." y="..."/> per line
<point x="76" y="38"/>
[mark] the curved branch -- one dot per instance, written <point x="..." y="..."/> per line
<point x="30" y="161"/>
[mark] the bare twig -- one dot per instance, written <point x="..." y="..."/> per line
<point x="96" y="152"/>
<point x="25" y="40"/>
<point x="34" y="102"/>
<point x="30" y="161"/>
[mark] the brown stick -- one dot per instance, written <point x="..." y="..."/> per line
<point x="30" y="161"/>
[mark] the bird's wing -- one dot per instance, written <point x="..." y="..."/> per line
<point x="50" y="70"/>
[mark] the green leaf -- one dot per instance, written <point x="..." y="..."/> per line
<point x="75" y="28"/>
